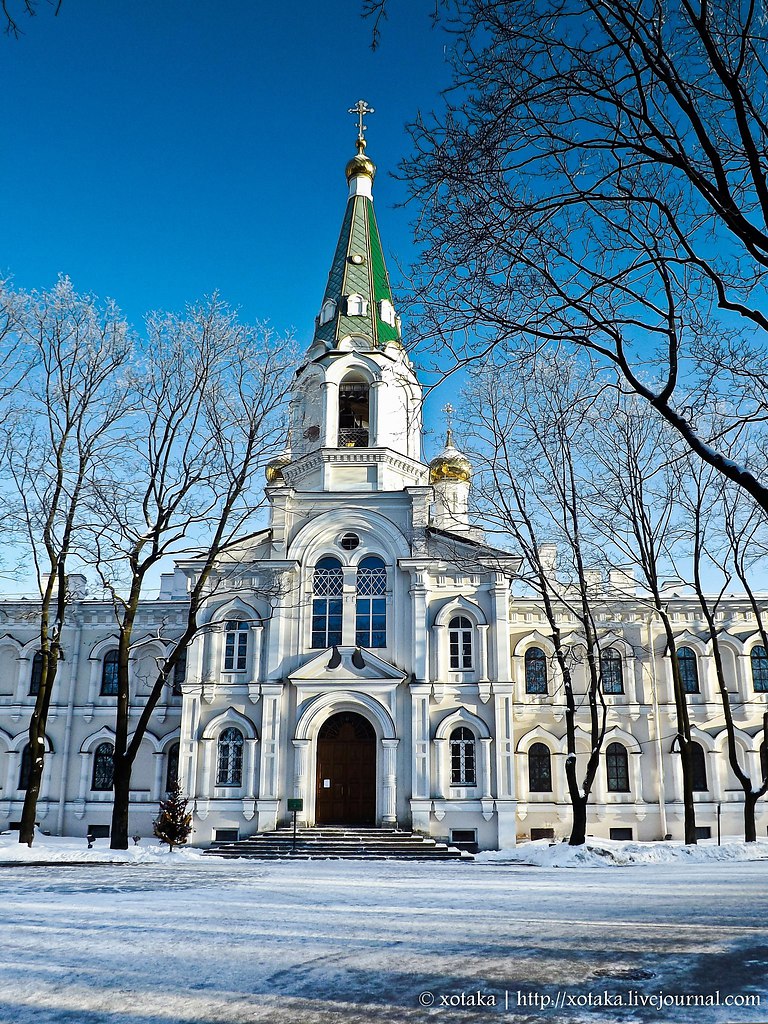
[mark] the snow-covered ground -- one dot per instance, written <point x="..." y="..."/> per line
<point x="189" y="939"/>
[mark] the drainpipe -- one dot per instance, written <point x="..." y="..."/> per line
<point x="73" y="674"/>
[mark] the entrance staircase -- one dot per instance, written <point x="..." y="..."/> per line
<point x="336" y="843"/>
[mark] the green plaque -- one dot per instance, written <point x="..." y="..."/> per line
<point x="296" y="805"/>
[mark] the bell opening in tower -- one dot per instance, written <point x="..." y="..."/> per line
<point x="354" y="399"/>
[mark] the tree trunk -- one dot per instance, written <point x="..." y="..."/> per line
<point x="579" y="828"/>
<point x="122" y="786"/>
<point x="750" y="828"/>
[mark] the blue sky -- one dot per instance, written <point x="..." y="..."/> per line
<point x="156" y="152"/>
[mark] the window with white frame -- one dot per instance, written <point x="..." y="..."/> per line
<point x="610" y="672"/>
<point x="236" y="646"/>
<point x="617" y="768"/>
<point x="327" y="589"/>
<point x="689" y="671"/>
<point x="371" y="603"/>
<point x="229" y="769"/>
<point x="758" y="659"/>
<point x="463" y="760"/>
<point x="460" y="641"/>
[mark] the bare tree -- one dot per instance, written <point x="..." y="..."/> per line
<point x="207" y="390"/>
<point x="16" y="10"/>
<point x="598" y="178"/>
<point x="60" y="437"/>
<point x="527" y="423"/>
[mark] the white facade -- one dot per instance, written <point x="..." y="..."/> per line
<point x="364" y="653"/>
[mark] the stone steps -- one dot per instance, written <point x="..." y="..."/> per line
<point x="336" y="843"/>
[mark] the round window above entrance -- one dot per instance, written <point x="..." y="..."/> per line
<point x="350" y="541"/>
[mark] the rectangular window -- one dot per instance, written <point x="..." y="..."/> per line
<point x="99" y="831"/>
<point x="703" y="832"/>
<point x="542" y="833"/>
<point x="371" y="622"/>
<point x="236" y="647"/>
<point x="326" y="622"/>
<point x="226" y="835"/>
<point x="623" y="834"/>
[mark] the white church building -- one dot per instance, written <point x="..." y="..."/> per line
<point x="366" y="653"/>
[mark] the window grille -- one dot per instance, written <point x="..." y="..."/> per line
<point x="327" y="588"/>
<point x="230" y="763"/>
<point x="103" y="776"/>
<point x="463" y="772"/>
<point x="354" y="399"/>
<point x="535" y="671"/>
<point x="539" y="769"/>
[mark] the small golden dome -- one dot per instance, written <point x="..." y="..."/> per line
<point x="450" y="464"/>
<point x="360" y="165"/>
<point x="274" y="469"/>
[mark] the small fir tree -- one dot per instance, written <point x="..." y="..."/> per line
<point x="174" y="822"/>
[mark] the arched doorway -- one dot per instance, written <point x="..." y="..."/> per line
<point x="346" y="771"/>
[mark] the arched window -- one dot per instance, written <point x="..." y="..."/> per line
<point x="371" y="608"/>
<point x="354" y="413"/>
<point x="103" y="768"/>
<point x="539" y="769"/>
<point x="610" y="671"/>
<point x="535" y="671"/>
<point x="327" y="588"/>
<point x="229" y="770"/>
<point x="37" y="675"/>
<point x="25" y="768"/>
<point x="463" y="771"/>
<point x="699" y="766"/>
<point x="759" y="661"/>
<point x="236" y="646"/>
<point x="109" y="675"/>
<point x="179" y="673"/>
<point x="689" y="670"/>
<point x="460" y="643"/>
<point x="172" y="769"/>
<point x="617" y="768"/>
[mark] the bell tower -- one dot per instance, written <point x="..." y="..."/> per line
<point x="356" y="405"/>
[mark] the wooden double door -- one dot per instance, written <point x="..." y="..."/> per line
<point x="346" y="771"/>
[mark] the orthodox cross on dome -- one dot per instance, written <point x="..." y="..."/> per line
<point x="449" y="411"/>
<point x="361" y="108"/>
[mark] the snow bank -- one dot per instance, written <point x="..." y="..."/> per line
<point x="68" y="850"/>
<point x="608" y="853"/>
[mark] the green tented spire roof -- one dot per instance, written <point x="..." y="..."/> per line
<point x="358" y="297"/>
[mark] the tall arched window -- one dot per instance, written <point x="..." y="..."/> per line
<point x="236" y="646"/>
<point x="37" y="675"/>
<point x="179" y="674"/>
<point x="463" y="770"/>
<point x="229" y="771"/>
<point x="539" y="769"/>
<point x="354" y="413"/>
<point x="759" y="661"/>
<point x="460" y="643"/>
<point x="103" y="775"/>
<point x="535" y="671"/>
<point x="25" y="768"/>
<point x="371" y="608"/>
<point x="689" y="670"/>
<point x="109" y="675"/>
<point x="610" y="671"/>
<point x="617" y="768"/>
<point x="327" y="587"/>
<point x="699" y="766"/>
<point x="172" y="768"/>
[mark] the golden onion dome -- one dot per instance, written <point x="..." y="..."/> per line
<point x="274" y="469"/>
<point x="450" y="464"/>
<point x="360" y="165"/>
